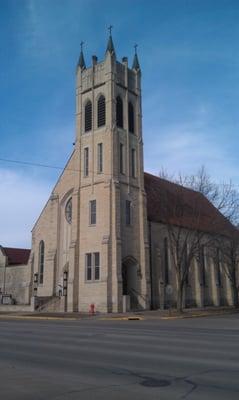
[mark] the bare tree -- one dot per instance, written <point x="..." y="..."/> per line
<point x="230" y="259"/>
<point x="186" y="223"/>
<point x="223" y="196"/>
<point x="184" y="213"/>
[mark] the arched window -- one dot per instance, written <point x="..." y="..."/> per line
<point x="88" y="116"/>
<point x="119" y="112"/>
<point x="68" y="211"/>
<point x="101" y="111"/>
<point x="131" y="117"/>
<point x="41" y="260"/>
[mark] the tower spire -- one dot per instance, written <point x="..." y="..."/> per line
<point x="81" y="62"/>
<point x="136" y="65"/>
<point x="110" y="45"/>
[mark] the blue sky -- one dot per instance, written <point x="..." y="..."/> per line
<point x="189" y="55"/>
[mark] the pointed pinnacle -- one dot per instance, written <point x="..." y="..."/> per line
<point x="136" y="65"/>
<point x="110" y="45"/>
<point x="81" y="62"/>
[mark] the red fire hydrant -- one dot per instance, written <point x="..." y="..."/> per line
<point x="92" y="309"/>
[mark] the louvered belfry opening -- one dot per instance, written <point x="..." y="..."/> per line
<point x="101" y="111"/>
<point x="119" y="112"/>
<point x="88" y="116"/>
<point x="131" y="117"/>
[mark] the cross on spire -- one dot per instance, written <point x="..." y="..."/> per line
<point x="81" y="62"/>
<point x="110" y="45"/>
<point x="136" y="65"/>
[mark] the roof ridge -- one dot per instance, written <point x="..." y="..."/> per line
<point x="15" y="248"/>
<point x="176" y="184"/>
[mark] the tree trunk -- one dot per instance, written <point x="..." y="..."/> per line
<point x="180" y="298"/>
<point x="235" y="296"/>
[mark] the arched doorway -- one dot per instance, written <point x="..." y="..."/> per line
<point x="129" y="282"/>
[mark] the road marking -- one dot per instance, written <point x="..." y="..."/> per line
<point x="121" y="319"/>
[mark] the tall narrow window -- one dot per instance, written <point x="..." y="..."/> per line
<point x="101" y="111"/>
<point x="119" y="112"/>
<point x="218" y="269"/>
<point x="166" y="271"/>
<point x="202" y="265"/>
<point x="88" y="116"/>
<point x="92" y="261"/>
<point x="133" y="163"/>
<point x="92" y="212"/>
<point x="128" y="212"/>
<point x="97" y="266"/>
<point x="86" y="161"/>
<point x="88" y="266"/>
<point x="121" y="158"/>
<point x="41" y="260"/>
<point x="131" y="117"/>
<point x="100" y="158"/>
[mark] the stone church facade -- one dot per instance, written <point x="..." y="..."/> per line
<point x="101" y="237"/>
<point x="95" y="220"/>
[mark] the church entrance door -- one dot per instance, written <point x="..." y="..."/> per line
<point x="129" y="282"/>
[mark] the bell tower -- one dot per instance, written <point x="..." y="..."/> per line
<point x="112" y="232"/>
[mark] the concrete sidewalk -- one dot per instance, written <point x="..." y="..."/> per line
<point x="137" y="315"/>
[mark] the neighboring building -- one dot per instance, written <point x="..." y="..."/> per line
<point x="103" y="236"/>
<point x="15" y="274"/>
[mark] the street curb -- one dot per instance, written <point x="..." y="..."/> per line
<point x="37" y="318"/>
<point x="198" y="315"/>
<point x="133" y="318"/>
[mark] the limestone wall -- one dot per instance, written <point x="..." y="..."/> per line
<point x="17" y="282"/>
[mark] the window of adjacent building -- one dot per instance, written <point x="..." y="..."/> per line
<point x="128" y="212"/>
<point x="119" y="112"/>
<point x="86" y="161"/>
<point x="202" y="265"/>
<point x="93" y="266"/>
<point x="131" y="117"/>
<point x="166" y="264"/>
<point x="88" y="116"/>
<point x="121" y="158"/>
<point x="92" y="212"/>
<point x="101" y="111"/>
<point x="133" y="163"/>
<point x="41" y="261"/>
<point x="100" y="158"/>
<point x="218" y="269"/>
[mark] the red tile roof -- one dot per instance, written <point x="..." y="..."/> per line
<point x="16" y="256"/>
<point x="168" y="202"/>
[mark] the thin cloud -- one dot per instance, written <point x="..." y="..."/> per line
<point x="21" y="201"/>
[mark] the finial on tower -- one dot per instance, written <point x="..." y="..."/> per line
<point x="110" y="45"/>
<point x="110" y="29"/>
<point x="136" y="65"/>
<point x="81" y="62"/>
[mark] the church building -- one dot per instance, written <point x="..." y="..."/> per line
<point x="101" y="239"/>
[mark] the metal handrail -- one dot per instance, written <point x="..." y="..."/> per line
<point x="135" y="292"/>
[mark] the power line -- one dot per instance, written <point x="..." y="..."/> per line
<point x="40" y="165"/>
<point x="32" y="164"/>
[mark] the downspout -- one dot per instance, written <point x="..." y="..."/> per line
<point x="150" y="266"/>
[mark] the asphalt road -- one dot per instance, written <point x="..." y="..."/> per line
<point x="117" y="360"/>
